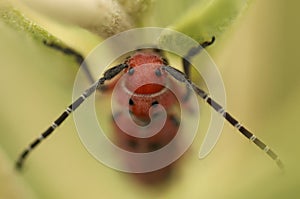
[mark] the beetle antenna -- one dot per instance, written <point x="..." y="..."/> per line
<point x="109" y="74"/>
<point x="192" y="52"/>
<point x="182" y="78"/>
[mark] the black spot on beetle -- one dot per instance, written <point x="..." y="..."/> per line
<point x="174" y="120"/>
<point x="133" y="144"/>
<point x="131" y="103"/>
<point x="154" y="146"/>
<point x="154" y="103"/>
<point x="165" y="61"/>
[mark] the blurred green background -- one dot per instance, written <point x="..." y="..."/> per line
<point x="258" y="59"/>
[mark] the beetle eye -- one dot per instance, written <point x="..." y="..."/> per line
<point x="131" y="71"/>
<point x="158" y="72"/>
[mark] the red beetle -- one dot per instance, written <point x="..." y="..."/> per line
<point x="147" y="77"/>
<point x="144" y="85"/>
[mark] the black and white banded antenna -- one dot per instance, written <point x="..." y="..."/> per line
<point x="178" y="75"/>
<point x="109" y="74"/>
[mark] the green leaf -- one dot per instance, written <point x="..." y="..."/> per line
<point x="199" y="19"/>
<point x="44" y="29"/>
<point x="209" y="18"/>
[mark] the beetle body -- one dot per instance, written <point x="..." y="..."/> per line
<point x="142" y="87"/>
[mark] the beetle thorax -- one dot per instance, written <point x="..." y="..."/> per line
<point x="144" y="73"/>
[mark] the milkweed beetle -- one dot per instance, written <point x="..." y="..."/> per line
<point x="140" y="68"/>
